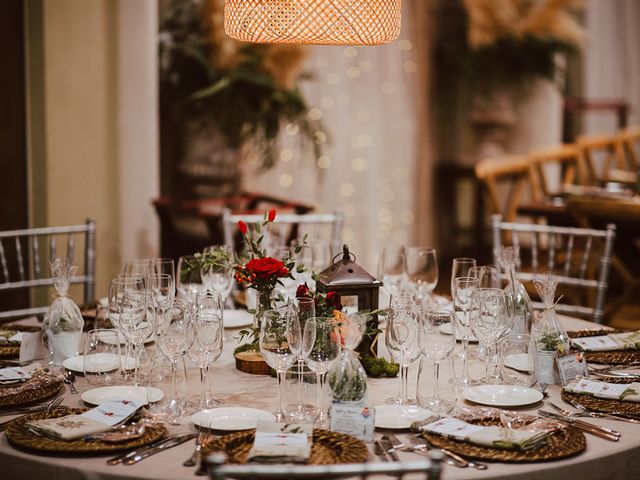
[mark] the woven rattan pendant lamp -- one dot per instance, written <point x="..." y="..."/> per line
<point x="328" y="22"/>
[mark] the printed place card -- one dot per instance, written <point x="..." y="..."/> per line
<point x="572" y="366"/>
<point x="452" y="427"/>
<point x="600" y="389"/>
<point x="356" y="420"/>
<point x="601" y="343"/>
<point x="14" y="373"/>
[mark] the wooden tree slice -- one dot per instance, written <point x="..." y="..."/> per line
<point x="252" y="362"/>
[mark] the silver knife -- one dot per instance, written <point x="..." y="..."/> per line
<point x="170" y="443"/>
<point x="388" y="448"/>
<point x="596" y="430"/>
<point x="379" y="451"/>
<point x="123" y="456"/>
<point x="180" y="439"/>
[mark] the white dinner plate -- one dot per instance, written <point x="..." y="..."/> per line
<point x="230" y="418"/>
<point x="399" y="416"/>
<point x="107" y="338"/>
<point x="447" y="329"/>
<point x="98" y="396"/>
<point x="101" y="363"/>
<point x="237" y="318"/>
<point x="502" y="395"/>
<point x="519" y="361"/>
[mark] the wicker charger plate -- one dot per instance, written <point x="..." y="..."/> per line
<point x="564" y="443"/>
<point x="27" y="395"/>
<point x="615" y="357"/>
<point x="603" y="405"/>
<point x="328" y="447"/>
<point x="19" y="436"/>
<point x="12" y="350"/>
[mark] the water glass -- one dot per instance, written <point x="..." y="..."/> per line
<point x="206" y="342"/>
<point x="460" y="268"/>
<point x="422" y="273"/>
<point x="518" y="360"/>
<point x="102" y="360"/>
<point x="219" y="277"/>
<point x="392" y="269"/>
<point x="188" y="279"/>
<point x="463" y="288"/>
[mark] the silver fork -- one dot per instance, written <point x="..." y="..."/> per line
<point x="399" y="445"/>
<point x="610" y="416"/>
<point x="47" y="407"/>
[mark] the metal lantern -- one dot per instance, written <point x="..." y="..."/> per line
<point x="328" y="22"/>
<point x="346" y="277"/>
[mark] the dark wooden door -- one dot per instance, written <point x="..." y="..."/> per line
<point x="13" y="147"/>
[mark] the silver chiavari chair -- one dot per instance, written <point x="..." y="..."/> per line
<point x="25" y="255"/>
<point x="218" y="470"/>
<point x="580" y="258"/>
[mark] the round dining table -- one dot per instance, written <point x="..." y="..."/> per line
<point x="601" y="460"/>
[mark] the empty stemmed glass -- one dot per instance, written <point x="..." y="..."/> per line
<point x="174" y="342"/>
<point x="218" y="277"/>
<point x="436" y="345"/>
<point x="422" y="273"/>
<point x="305" y="310"/>
<point x="401" y="338"/>
<point x="460" y="268"/>
<point x="188" y="280"/>
<point x="275" y="348"/>
<point x="488" y="275"/>
<point x="463" y="288"/>
<point x="392" y="269"/>
<point x="135" y="324"/>
<point x="162" y="291"/>
<point x="490" y="318"/>
<point x="321" y="339"/>
<point x="206" y="347"/>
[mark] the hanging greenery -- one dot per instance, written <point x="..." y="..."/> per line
<point x="249" y="90"/>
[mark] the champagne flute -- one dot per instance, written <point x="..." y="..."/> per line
<point x="436" y="346"/>
<point x="161" y="288"/>
<point x="422" y="273"/>
<point x="174" y="342"/>
<point x="460" y="268"/>
<point x="306" y="309"/>
<point x="206" y="347"/>
<point x="321" y="343"/>
<point x="275" y="349"/>
<point x="134" y="321"/>
<point x="463" y="288"/>
<point x="392" y="269"/>
<point x="401" y="338"/>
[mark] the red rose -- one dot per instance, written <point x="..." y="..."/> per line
<point x="266" y="267"/>
<point x="242" y="227"/>
<point x="334" y="300"/>
<point x="302" y="290"/>
<point x="272" y="215"/>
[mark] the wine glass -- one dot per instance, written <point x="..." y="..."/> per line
<point x="392" y="269"/>
<point x="163" y="266"/>
<point x="161" y="289"/>
<point x="460" y="268"/>
<point x="135" y="322"/>
<point x="490" y="320"/>
<point x="489" y="276"/>
<point x="174" y="342"/>
<point x="188" y="280"/>
<point x="436" y="345"/>
<point x="463" y="287"/>
<point x="275" y="348"/>
<point x="102" y="360"/>
<point x="422" y="273"/>
<point x="219" y="277"/>
<point x="138" y="267"/>
<point x="206" y="341"/>
<point x="117" y="289"/>
<point x="321" y="343"/>
<point x="401" y="338"/>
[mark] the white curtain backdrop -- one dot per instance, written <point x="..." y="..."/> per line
<point x="369" y="100"/>
<point x="612" y="62"/>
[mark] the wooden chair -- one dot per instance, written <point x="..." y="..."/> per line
<point x="630" y="148"/>
<point x="219" y="470"/>
<point x="24" y="260"/>
<point x="601" y="155"/>
<point x="287" y="228"/>
<point x="567" y="157"/>
<point x="579" y="257"/>
<point x="511" y="173"/>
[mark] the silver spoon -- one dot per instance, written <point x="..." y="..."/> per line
<point x="69" y="379"/>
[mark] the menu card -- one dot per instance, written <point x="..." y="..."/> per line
<point x="281" y="442"/>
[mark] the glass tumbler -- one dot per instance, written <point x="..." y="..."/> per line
<point x="517" y="363"/>
<point x="102" y="360"/>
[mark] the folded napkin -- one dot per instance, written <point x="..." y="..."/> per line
<point x="10" y="336"/>
<point x="628" y="392"/>
<point x="97" y="420"/>
<point x="15" y="374"/>
<point x="523" y="438"/>
<point x="608" y="343"/>
<point x="281" y="443"/>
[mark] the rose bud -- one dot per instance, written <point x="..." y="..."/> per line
<point x="302" y="290"/>
<point x="242" y="227"/>
<point x="272" y="215"/>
